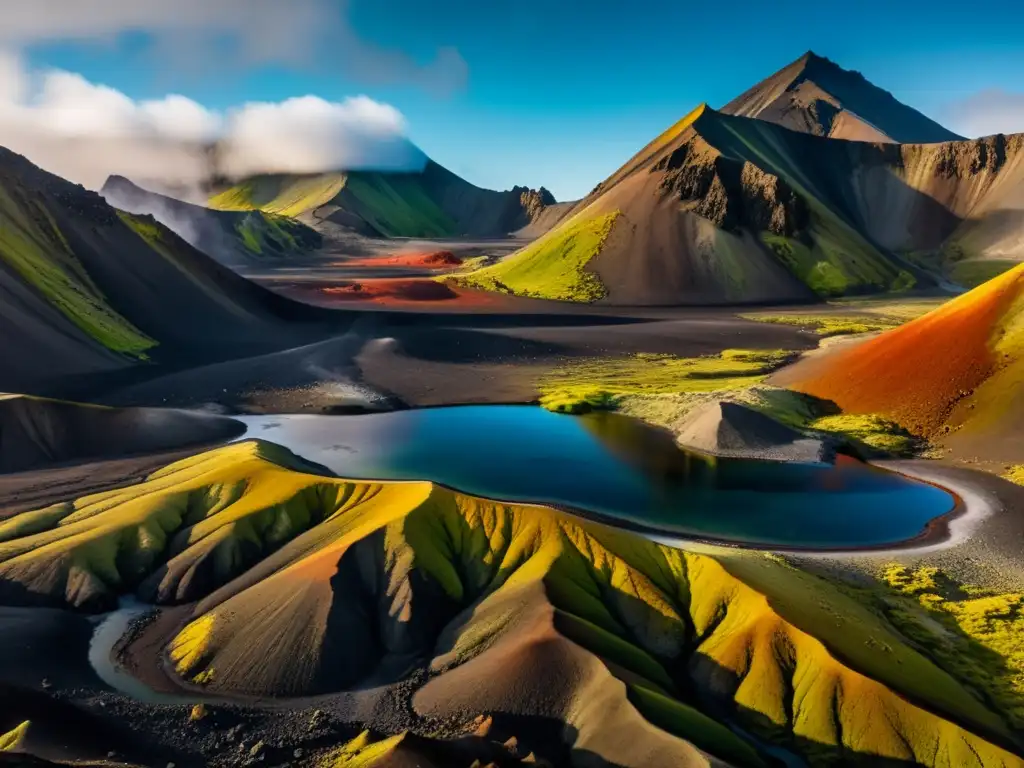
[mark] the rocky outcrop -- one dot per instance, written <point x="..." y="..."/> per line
<point x="534" y="201"/>
<point x="733" y="195"/>
<point x="964" y="159"/>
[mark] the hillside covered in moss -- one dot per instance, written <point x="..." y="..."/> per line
<point x="300" y="583"/>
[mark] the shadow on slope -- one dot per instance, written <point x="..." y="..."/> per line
<point x="37" y="433"/>
<point x="234" y="238"/>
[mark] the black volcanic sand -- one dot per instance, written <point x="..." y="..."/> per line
<point x="77" y="717"/>
<point x="389" y="358"/>
<point x="985" y="552"/>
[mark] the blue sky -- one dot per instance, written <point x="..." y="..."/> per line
<point x="561" y="93"/>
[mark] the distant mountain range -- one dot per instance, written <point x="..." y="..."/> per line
<point x="432" y="203"/>
<point x="86" y="288"/>
<point x="765" y="201"/>
<point x="775" y="197"/>
<point x="234" y="238"/>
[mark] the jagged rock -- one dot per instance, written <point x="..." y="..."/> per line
<point x="731" y="194"/>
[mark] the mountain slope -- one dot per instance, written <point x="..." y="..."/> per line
<point x="313" y="584"/>
<point x="815" y="95"/>
<point x="89" y="288"/>
<point x="721" y="209"/>
<point x="234" y="238"/>
<point x="431" y="203"/>
<point x="958" y="368"/>
<point x="725" y="209"/>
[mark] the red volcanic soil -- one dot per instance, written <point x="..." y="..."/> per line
<point x="405" y="290"/>
<point x="388" y="291"/>
<point x="431" y="260"/>
<point x="916" y="373"/>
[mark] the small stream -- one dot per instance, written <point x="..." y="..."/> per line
<point x="109" y="630"/>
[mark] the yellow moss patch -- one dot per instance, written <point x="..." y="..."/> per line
<point x="361" y="752"/>
<point x="225" y="507"/>
<point x="827" y="324"/>
<point x="1015" y="474"/>
<point x="600" y="382"/>
<point x="871" y="429"/>
<point x="290" y="196"/>
<point x="976" y="634"/>
<point x="192" y="645"/>
<point x="553" y="267"/>
<point x="11" y="740"/>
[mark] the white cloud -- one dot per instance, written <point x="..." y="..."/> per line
<point x="199" y="34"/>
<point x="86" y="132"/>
<point x="301" y="135"/>
<point x="988" y="113"/>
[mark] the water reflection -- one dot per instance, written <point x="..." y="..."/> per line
<point x="652" y="452"/>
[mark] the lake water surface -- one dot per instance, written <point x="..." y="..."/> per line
<point x="620" y="470"/>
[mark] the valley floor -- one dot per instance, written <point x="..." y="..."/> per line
<point x="657" y="363"/>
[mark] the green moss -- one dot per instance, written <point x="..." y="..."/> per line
<point x="976" y="634"/>
<point x="41" y="257"/>
<point x="694" y="726"/>
<point x="971" y="274"/>
<point x="613" y="648"/>
<point x="144" y="226"/>
<point x="290" y="196"/>
<point x="872" y="430"/>
<point x="577" y="400"/>
<point x="397" y="206"/>
<point x="891" y="309"/>
<point x="828" y="324"/>
<point x="271" y="234"/>
<point x="599" y="383"/>
<point x="553" y="267"/>
<point x="904" y="282"/>
<point x="250" y="239"/>
<point x="837" y="261"/>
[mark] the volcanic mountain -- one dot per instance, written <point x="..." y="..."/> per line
<point x="815" y="95"/>
<point x="86" y="288"/>
<point x="431" y="203"/>
<point x="275" y="580"/>
<point x="234" y="238"/>
<point x="955" y="372"/>
<point x="729" y="209"/>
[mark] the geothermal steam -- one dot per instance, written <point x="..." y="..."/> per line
<point x="86" y="132"/>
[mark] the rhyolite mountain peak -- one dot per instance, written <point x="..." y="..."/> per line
<point x="815" y="95"/>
